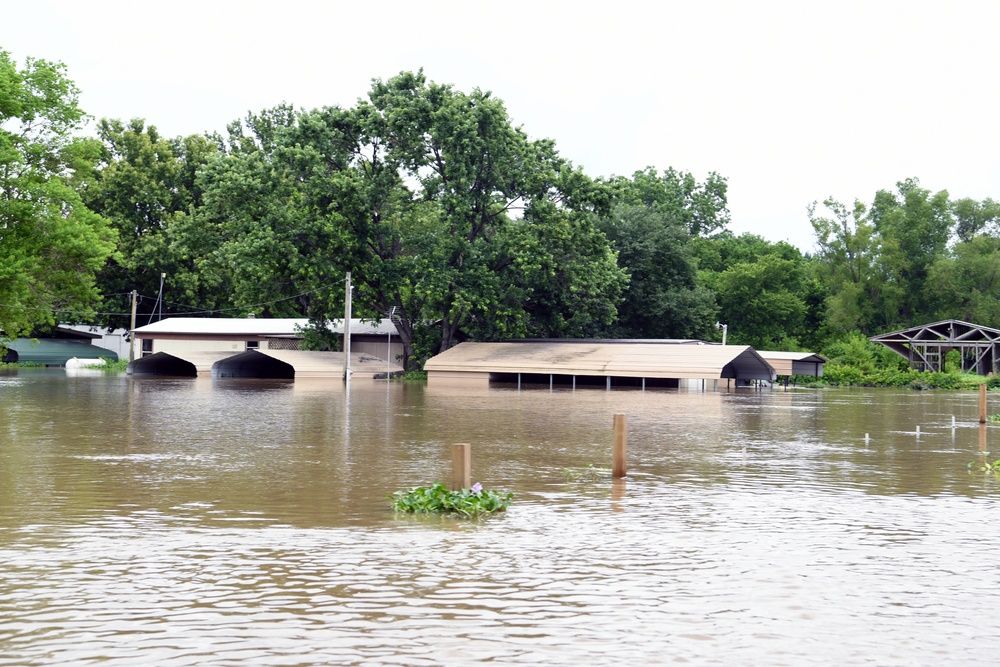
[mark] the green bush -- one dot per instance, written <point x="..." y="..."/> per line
<point x="109" y="366"/>
<point x="850" y="376"/>
<point x="839" y="374"/>
<point x="853" y="349"/>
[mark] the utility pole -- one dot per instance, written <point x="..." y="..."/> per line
<point x="388" y="345"/>
<point x="131" y="337"/>
<point x="159" y="299"/>
<point x="347" y="329"/>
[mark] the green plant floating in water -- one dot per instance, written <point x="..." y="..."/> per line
<point x="985" y="466"/>
<point x="590" y="473"/>
<point x="109" y="366"/>
<point x="438" y="499"/>
<point x="994" y="418"/>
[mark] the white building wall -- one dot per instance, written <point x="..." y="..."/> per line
<point x="167" y="345"/>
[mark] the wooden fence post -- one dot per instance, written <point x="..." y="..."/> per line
<point x="620" y="446"/>
<point x="461" y="466"/>
<point x="982" y="403"/>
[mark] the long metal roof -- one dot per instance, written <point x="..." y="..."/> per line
<point x="254" y="326"/>
<point x="605" y="359"/>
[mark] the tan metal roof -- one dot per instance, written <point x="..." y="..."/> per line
<point x="794" y="363"/>
<point x="605" y="359"/>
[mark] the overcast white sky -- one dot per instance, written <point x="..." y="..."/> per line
<point x="791" y="101"/>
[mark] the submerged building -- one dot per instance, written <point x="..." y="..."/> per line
<point x="610" y="363"/>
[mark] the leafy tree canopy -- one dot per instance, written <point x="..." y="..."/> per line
<point x="443" y="211"/>
<point x="51" y="244"/>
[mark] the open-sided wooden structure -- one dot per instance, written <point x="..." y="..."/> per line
<point x="925" y="346"/>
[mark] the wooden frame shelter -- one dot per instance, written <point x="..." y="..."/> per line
<point x="925" y="346"/>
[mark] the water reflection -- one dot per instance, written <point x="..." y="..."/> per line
<point x="231" y="521"/>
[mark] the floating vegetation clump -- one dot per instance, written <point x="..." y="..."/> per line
<point x="985" y="466"/>
<point x="109" y="366"/>
<point x="588" y="473"/>
<point x="438" y="499"/>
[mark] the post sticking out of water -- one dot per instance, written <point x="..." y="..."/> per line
<point x="918" y="430"/>
<point x="620" y="446"/>
<point x="347" y="328"/>
<point x="953" y="422"/>
<point x="982" y="403"/>
<point x="866" y="438"/>
<point x="461" y="466"/>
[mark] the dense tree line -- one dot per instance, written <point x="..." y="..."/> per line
<point x="453" y="222"/>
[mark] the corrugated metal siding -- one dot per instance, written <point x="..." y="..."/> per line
<point x="55" y="352"/>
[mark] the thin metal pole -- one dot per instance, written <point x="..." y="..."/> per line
<point x="347" y="328"/>
<point x="131" y="339"/>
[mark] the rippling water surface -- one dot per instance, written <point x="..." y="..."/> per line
<point x="212" y="522"/>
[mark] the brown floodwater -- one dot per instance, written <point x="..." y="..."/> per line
<point x="237" y="522"/>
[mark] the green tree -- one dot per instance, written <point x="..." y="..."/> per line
<point x="965" y="284"/>
<point x="700" y="207"/>
<point x="762" y="290"/>
<point x="146" y="185"/>
<point x="443" y="211"/>
<point x="664" y="298"/>
<point x="973" y="217"/>
<point x="844" y="264"/>
<point x="762" y="301"/>
<point x="653" y="221"/>
<point x="913" y="227"/>
<point x="51" y="244"/>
